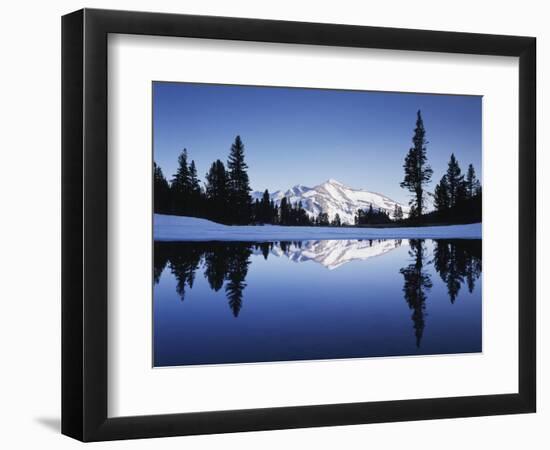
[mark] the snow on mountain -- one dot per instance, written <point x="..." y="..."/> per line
<point x="335" y="253"/>
<point x="334" y="198"/>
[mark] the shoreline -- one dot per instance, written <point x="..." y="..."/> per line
<point x="181" y="228"/>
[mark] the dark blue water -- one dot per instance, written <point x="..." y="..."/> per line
<point x="218" y="303"/>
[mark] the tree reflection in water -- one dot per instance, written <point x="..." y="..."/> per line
<point x="236" y="274"/>
<point x="222" y="263"/>
<point x="225" y="265"/>
<point x="458" y="261"/>
<point x="416" y="284"/>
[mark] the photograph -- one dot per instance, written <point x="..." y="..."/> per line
<point x="295" y="224"/>
<point x="258" y="225"/>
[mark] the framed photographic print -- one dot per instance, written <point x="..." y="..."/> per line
<point x="273" y="224"/>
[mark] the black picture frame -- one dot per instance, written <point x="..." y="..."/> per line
<point x="84" y="224"/>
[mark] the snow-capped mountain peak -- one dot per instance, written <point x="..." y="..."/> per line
<point x="297" y="190"/>
<point x="333" y="197"/>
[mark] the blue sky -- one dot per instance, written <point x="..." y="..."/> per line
<point x="306" y="136"/>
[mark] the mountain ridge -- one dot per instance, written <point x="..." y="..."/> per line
<point x="334" y="197"/>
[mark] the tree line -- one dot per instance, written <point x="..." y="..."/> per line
<point x="225" y="266"/>
<point x="456" y="197"/>
<point x="372" y="216"/>
<point x="225" y="196"/>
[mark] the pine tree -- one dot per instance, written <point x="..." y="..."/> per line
<point x="302" y="217"/>
<point x="293" y="213"/>
<point x="441" y="195"/>
<point x="161" y="190"/>
<point x="217" y="192"/>
<point x="455" y="182"/>
<point x="397" y="212"/>
<point x="360" y="217"/>
<point x="239" y="186"/>
<point x="336" y="222"/>
<point x="274" y="212"/>
<point x="256" y="212"/>
<point x="323" y="219"/>
<point x="473" y="186"/>
<point x="194" y="181"/>
<point x="196" y="200"/>
<point x="265" y="208"/>
<point x="418" y="173"/>
<point x="284" y="215"/>
<point x="181" y="185"/>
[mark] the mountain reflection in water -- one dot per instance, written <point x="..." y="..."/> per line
<point x="447" y="267"/>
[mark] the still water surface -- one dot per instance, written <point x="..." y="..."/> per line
<point x="230" y="302"/>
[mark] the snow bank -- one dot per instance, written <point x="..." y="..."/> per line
<point x="175" y="228"/>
